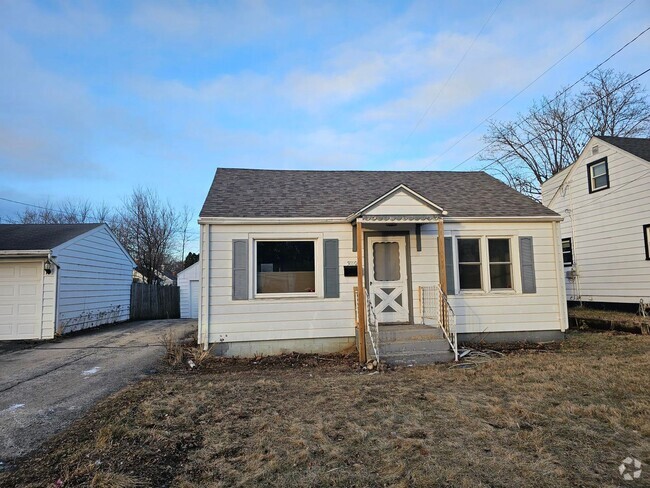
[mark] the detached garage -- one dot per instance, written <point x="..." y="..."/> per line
<point x="188" y="282"/>
<point x="61" y="278"/>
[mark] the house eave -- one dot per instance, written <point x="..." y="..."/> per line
<point x="271" y="220"/>
<point x="344" y="220"/>
<point x="31" y="253"/>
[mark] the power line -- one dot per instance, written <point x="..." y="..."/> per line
<point x="559" y="94"/>
<point x="569" y="117"/>
<point x="527" y="86"/>
<point x="435" y="99"/>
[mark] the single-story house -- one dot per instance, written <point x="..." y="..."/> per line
<point x="59" y="278"/>
<point x="604" y="197"/>
<point x="444" y="256"/>
<point x="188" y="284"/>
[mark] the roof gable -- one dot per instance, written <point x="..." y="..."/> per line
<point x="289" y="194"/>
<point x="401" y="200"/>
<point x="641" y="146"/>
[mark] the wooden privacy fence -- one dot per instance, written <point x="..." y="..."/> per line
<point x="154" y="302"/>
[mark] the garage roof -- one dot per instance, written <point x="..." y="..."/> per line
<point x="32" y="237"/>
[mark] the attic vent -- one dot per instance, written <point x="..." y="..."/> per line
<point x="594" y="149"/>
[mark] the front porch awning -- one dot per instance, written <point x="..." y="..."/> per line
<point x="401" y="219"/>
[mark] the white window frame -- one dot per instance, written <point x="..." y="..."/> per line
<point x="592" y="177"/>
<point x="570" y="251"/>
<point x="510" y="263"/>
<point x="318" y="265"/>
<point x="485" y="263"/>
<point x="480" y="263"/>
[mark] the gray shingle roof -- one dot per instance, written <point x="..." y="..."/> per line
<point x="30" y="237"/>
<point x="287" y="193"/>
<point x="634" y="145"/>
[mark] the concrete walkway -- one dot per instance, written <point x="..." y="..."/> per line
<point x="44" y="387"/>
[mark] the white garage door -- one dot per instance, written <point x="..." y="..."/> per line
<point x="194" y="299"/>
<point x="21" y="294"/>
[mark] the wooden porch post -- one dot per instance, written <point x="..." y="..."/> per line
<point x="442" y="265"/>
<point x="361" y="296"/>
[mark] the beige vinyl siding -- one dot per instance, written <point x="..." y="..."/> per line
<point x="273" y="318"/>
<point x="606" y="227"/>
<point x="294" y="318"/>
<point x="510" y="310"/>
<point x="400" y="203"/>
<point x="94" y="282"/>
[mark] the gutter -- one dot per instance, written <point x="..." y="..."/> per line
<point x="346" y="220"/>
<point x="32" y="253"/>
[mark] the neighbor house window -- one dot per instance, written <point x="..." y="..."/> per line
<point x="598" y="174"/>
<point x="567" y="252"/>
<point x="646" y="237"/>
<point x="500" y="264"/>
<point x="469" y="264"/>
<point x="285" y="267"/>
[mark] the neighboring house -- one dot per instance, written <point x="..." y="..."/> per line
<point x="164" y="278"/>
<point x="282" y="253"/>
<point x="61" y="278"/>
<point x="604" y="198"/>
<point x="188" y="283"/>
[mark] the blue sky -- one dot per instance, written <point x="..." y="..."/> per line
<point x="96" y="98"/>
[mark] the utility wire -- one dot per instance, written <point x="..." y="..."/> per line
<point x="444" y="86"/>
<point x="527" y="86"/>
<point x="519" y="146"/>
<point x="518" y="125"/>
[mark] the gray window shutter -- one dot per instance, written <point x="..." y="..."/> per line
<point x="354" y="237"/>
<point x="449" y="266"/>
<point x="331" y="267"/>
<point x="240" y="269"/>
<point x="527" y="258"/>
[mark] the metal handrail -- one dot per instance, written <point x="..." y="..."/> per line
<point x="435" y="305"/>
<point x="372" y="322"/>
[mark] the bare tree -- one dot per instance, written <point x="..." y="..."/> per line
<point x="148" y="228"/>
<point x="551" y="135"/>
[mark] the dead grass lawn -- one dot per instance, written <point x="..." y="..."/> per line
<point x="546" y="419"/>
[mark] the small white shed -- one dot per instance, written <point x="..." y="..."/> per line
<point x="59" y="278"/>
<point x="188" y="282"/>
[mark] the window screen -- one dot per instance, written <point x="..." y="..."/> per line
<point x="567" y="252"/>
<point x="500" y="263"/>
<point x="285" y="267"/>
<point x="469" y="264"/>
<point x="386" y="261"/>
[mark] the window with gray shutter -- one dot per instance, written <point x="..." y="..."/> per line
<point x="449" y="266"/>
<point x="527" y="258"/>
<point x="240" y="269"/>
<point x="331" y="267"/>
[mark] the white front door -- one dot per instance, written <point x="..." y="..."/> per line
<point x="388" y="277"/>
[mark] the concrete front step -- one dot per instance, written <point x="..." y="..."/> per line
<point x="411" y="345"/>
<point x="429" y="345"/>
<point x="416" y="358"/>
<point x="392" y="333"/>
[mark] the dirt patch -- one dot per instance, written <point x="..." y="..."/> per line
<point x="565" y="417"/>
<point x="587" y="318"/>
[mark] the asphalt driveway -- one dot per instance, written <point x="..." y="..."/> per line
<point x="44" y="387"/>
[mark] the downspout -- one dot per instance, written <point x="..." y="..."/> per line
<point x="56" y="292"/>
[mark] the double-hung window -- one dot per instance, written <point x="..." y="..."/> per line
<point x="646" y="238"/>
<point x="500" y="264"/>
<point x="598" y="175"/>
<point x="567" y="252"/>
<point x="469" y="264"/>
<point x="284" y="267"/>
